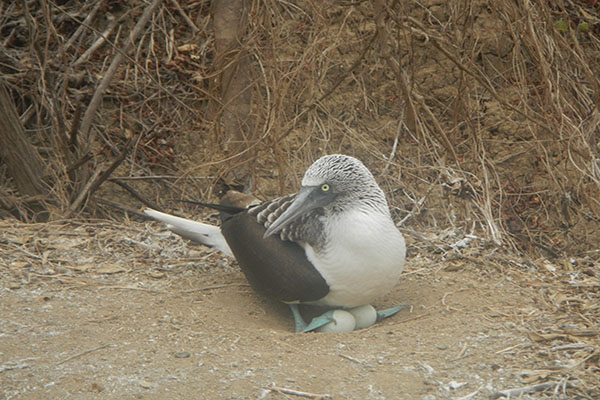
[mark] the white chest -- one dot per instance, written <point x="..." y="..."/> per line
<point x="363" y="259"/>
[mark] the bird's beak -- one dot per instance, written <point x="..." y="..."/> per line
<point x="307" y="199"/>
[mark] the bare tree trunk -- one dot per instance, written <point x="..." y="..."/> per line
<point x="21" y="158"/>
<point x="235" y="125"/>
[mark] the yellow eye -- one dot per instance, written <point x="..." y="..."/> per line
<point x="325" y="187"/>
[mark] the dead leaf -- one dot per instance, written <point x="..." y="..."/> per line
<point x="156" y="274"/>
<point x="581" y="332"/>
<point x="531" y="378"/>
<point x="80" y="268"/>
<point x="187" y="47"/>
<point x="20" y="264"/>
<point x="559" y="298"/>
<point x="542" y="337"/>
<point x="110" y="269"/>
<point x="454" y="266"/>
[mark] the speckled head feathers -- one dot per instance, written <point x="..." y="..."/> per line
<point x="336" y="168"/>
<point x="348" y="177"/>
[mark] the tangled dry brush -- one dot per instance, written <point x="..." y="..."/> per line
<point x="475" y="115"/>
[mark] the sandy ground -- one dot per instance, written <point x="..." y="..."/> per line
<point x="132" y="312"/>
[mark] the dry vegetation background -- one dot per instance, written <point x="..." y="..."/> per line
<point x="479" y="118"/>
<point x="475" y="115"/>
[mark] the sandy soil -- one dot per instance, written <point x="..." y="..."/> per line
<point x="132" y="312"/>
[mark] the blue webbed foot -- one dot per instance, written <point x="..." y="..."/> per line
<point x="388" y="312"/>
<point x="331" y="321"/>
<point x="299" y="322"/>
<point x="344" y="320"/>
<point x="318" y="322"/>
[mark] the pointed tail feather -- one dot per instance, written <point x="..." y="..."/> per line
<point x="205" y="234"/>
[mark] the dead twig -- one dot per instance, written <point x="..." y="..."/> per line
<point x="354" y="360"/>
<point x="462" y="353"/>
<point x="510" y="393"/>
<point x="121" y="207"/>
<point x="97" y="44"/>
<point x="299" y="393"/>
<point x="99" y="177"/>
<point x="412" y="318"/>
<point x="216" y="287"/>
<point x="185" y="16"/>
<point x="85" y="352"/>
<point x="86" y="22"/>
<point x="468" y="396"/>
<point x="82" y="195"/>
<point x="136" y="195"/>
<point x="132" y="288"/>
<point x="161" y="177"/>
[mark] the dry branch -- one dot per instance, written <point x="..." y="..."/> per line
<point x="86" y="22"/>
<point x="84" y="353"/>
<point x="22" y="160"/>
<point x="299" y="393"/>
<point x="86" y="189"/>
<point x="88" y="117"/>
<point x="138" y="196"/>
<point x="100" y="176"/>
<point x="185" y="16"/>
<point x="235" y="125"/>
<point x="97" y="44"/>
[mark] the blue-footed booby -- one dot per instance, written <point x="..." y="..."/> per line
<point x="332" y="244"/>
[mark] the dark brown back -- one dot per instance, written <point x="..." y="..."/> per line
<point x="275" y="267"/>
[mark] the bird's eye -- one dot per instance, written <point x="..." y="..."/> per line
<point x="325" y="187"/>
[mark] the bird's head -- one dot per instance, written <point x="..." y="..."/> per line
<point x="337" y="182"/>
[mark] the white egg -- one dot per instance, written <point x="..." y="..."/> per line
<point x="365" y="315"/>
<point x="343" y="321"/>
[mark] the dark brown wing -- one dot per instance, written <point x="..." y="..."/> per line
<point x="278" y="268"/>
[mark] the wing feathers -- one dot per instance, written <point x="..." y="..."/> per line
<point x="206" y="234"/>
<point x="273" y="266"/>
<point x="277" y="265"/>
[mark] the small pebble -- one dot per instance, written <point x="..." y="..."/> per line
<point x="453" y="385"/>
<point x="428" y="368"/>
<point x="96" y="387"/>
<point x="146" y="384"/>
<point x="510" y="325"/>
<point x="182" y="354"/>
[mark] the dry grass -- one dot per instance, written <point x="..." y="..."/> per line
<point x="475" y="116"/>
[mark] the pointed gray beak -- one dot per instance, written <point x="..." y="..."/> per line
<point x="307" y="199"/>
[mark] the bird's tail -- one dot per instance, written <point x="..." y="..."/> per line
<point x="205" y="234"/>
